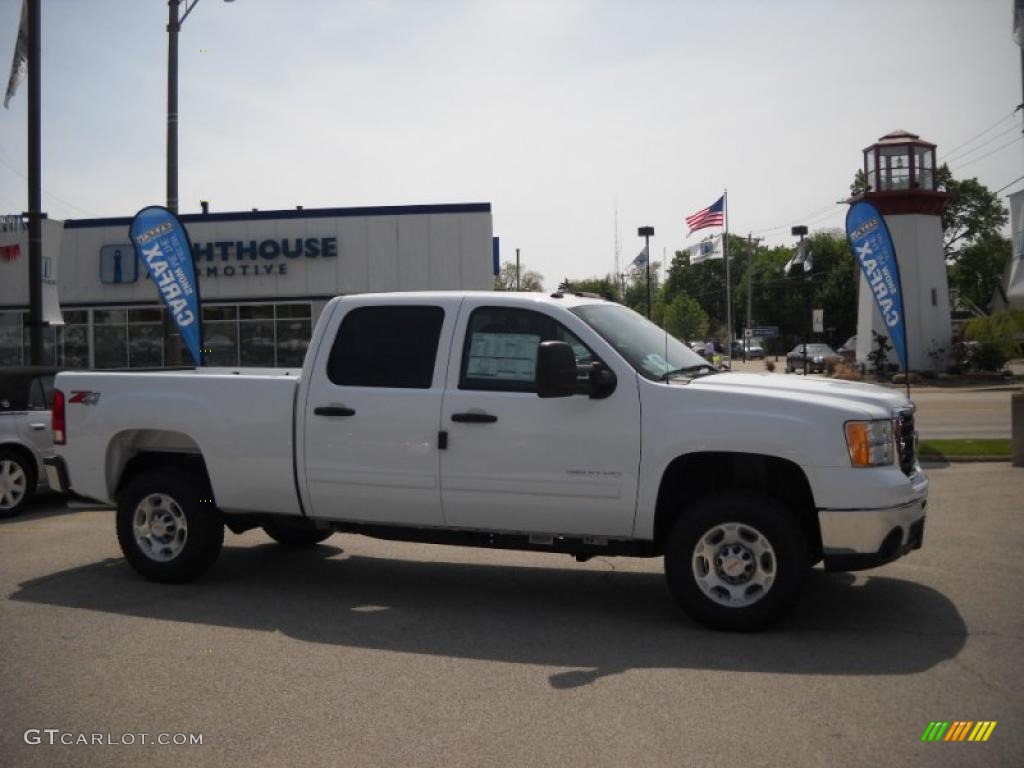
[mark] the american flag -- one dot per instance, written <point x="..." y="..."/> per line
<point x="712" y="216"/>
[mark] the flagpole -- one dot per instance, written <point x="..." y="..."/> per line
<point x="728" y="288"/>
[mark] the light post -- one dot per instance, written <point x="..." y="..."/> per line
<point x="801" y="231"/>
<point x="174" y="23"/>
<point x="647" y="233"/>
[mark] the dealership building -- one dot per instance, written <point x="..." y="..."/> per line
<point x="264" y="277"/>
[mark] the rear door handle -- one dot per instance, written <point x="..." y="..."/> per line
<point x="37" y="426"/>
<point x="474" y="418"/>
<point x="333" y="410"/>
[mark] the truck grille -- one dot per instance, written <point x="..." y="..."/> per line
<point x="906" y="440"/>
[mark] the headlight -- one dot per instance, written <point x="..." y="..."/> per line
<point x="870" y="443"/>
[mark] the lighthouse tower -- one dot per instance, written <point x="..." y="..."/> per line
<point x="901" y="184"/>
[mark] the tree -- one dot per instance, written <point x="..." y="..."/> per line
<point x="860" y="183"/>
<point x="971" y="213"/>
<point x="979" y="269"/>
<point x="684" y="318"/>
<point x="607" y="286"/>
<point x="528" y="280"/>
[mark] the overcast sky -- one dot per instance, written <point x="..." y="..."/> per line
<point x="555" y="112"/>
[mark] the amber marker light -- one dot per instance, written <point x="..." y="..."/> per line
<point x="870" y="443"/>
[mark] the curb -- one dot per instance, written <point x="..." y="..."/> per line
<point x="939" y="462"/>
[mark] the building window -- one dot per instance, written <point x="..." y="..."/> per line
<point x="10" y="338"/>
<point x="294" y="327"/>
<point x="220" y="335"/>
<point x="256" y="340"/>
<point x="73" y="339"/>
<point x="110" y="337"/>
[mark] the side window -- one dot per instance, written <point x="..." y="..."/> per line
<point x="45" y="387"/>
<point x="386" y="347"/>
<point x="36" y="395"/>
<point x="500" y="351"/>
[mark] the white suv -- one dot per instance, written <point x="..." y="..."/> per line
<point x="26" y="395"/>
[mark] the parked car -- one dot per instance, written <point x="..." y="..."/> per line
<point x="753" y="350"/>
<point x="848" y="352"/>
<point x="26" y="396"/>
<point x="818" y="357"/>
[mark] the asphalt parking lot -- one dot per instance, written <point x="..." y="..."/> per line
<point x="366" y="653"/>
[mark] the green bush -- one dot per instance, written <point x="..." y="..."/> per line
<point x="996" y="337"/>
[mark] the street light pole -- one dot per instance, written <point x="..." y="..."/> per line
<point x="801" y="231"/>
<point x="173" y="27"/>
<point x="174" y="23"/>
<point x="646" y="233"/>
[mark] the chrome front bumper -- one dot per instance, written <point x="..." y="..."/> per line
<point x="855" y="539"/>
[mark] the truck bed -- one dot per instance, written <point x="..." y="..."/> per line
<point x="242" y="421"/>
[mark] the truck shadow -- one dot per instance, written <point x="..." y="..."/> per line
<point x="585" y="623"/>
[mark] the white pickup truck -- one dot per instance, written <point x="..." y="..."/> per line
<point x="558" y="423"/>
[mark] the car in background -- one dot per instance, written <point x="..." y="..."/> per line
<point x="26" y="397"/>
<point x="752" y="349"/>
<point x="848" y="352"/>
<point x="818" y="357"/>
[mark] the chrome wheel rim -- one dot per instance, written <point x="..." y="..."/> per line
<point x="734" y="564"/>
<point x="13" y="484"/>
<point x="160" y="527"/>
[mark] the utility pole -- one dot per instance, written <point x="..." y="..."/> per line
<point x="517" y="270"/>
<point x="35" y="185"/>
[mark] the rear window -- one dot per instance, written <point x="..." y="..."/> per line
<point x="389" y="346"/>
<point x="13" y="392"/>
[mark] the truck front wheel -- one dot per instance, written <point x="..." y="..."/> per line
<point x="735" y="561"/>
<point x="167" y="525"/>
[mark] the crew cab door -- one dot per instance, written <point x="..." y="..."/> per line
<point x="516" y="462"/>
<point x="372" y="411"/>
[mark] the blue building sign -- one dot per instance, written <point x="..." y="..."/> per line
<point x="118" y="264"/>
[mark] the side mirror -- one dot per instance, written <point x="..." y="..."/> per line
<point x="602" y="381"/>
<point x="556" y="370"/>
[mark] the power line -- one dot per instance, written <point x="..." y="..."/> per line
<point x="1019" y="178"/>
<point x="18" y="173"/>
<point x="987" y="154"/>
<point x="997" y="122"/>
<point x="797" y="220"/>
<point x="947" y="158"/>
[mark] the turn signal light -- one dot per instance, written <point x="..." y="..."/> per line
<point x="870" y="443"/>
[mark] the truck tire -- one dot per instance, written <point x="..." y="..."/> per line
<point x="17" y="482"/>
<point x="167" y="525"/>
<point x="735" y="561"/>
<point x="295" y="535"/>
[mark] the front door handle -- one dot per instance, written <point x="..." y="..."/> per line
<point x="474" y="418"/>
<point x="333" y="410"/>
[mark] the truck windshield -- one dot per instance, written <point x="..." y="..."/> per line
<point x="648" y="348"/>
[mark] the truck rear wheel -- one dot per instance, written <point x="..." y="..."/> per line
<point x="735" y="561"/>
<point x="295" y="534"/>
<point x="167" y="525"/>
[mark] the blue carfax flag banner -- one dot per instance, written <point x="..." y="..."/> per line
<point x="872" y="246"/>
<point x="162" y="244"/>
